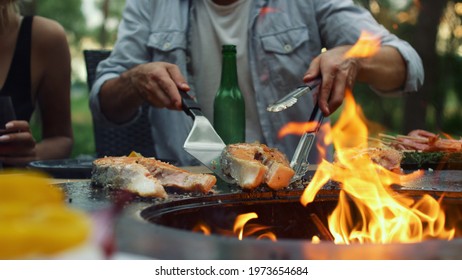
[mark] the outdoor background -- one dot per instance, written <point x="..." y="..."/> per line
<point x="432" y="27"/>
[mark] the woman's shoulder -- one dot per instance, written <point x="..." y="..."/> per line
<point x="47" y="31"/>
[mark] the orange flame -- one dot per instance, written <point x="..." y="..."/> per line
<point x="241" y="228"/>
<point x="203" y="228"/>
<point x="368" y="211"/>
<point x="240" y="222"/>
<point x="366" y="46"/>
<point x="297" y="128"/>
<point x="315" y="240"/>
<point x="271" y="236"/>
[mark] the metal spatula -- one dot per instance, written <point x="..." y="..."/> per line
<point x="203" y="142"/>
<point x="299" y="160"/>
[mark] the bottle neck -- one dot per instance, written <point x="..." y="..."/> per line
<point x="229" y="70"/>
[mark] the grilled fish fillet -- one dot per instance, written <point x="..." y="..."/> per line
<point x="254" y="164"/>
<point x="147" y="176"/>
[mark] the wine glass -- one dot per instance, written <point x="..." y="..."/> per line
<point x="6" y="114"/>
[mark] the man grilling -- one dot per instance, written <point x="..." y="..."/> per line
<point x="164" y="46"/>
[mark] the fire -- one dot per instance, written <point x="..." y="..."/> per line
<point x="297" y="128"/>
<point x="315" y="240"/>
<point x="241" y="222"/>
<point x="271" y="236"/>
<point x="367" y="46"/>
<point x="242" y="228"/>
<point x="203" y="228"/>
<point x="368" y="211"/>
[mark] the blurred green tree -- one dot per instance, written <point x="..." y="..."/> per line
<point x="112" y="13"/>
<point x="419" y="22"/>
<point x="68" y="13"/>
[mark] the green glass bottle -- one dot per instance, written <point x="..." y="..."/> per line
<point x="229" y="105"/>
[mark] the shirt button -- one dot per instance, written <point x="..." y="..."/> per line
<point x="167" y="45"/>
<point x="287" y="48"/>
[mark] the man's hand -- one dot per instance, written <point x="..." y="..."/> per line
<point x="158" y="84"/>
<point x="338" y="74"/>
<point x="385" y="71"/>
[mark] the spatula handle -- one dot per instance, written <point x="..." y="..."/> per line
<point x="189" y="105"/>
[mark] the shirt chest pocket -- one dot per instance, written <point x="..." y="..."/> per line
<point x="285" y="42"/>
<point x="165" y="43"/>
<point x="287" y="55"/>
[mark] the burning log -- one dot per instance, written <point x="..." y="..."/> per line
<point x="325" y="233"/>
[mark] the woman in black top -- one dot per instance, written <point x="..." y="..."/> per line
<point x="35" y="72"/>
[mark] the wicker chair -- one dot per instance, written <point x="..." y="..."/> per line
<point x="111" y="141"/>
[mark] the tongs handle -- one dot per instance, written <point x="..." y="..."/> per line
<point x="316" y="116"/>
<point x="189" y="105"/>
<point x="304" y="89"/>
<point x="308" y="87"/>
<point x="314" y="83"/>
<point x="292" y="97"/>
<point x="300" y="159"/>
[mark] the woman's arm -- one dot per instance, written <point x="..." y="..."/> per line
<point x="51" y="60"/>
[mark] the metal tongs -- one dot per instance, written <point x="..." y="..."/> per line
<point x="292" y="98"/>
<point x="299" y="160"/>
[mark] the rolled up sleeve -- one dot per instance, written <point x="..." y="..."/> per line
<point x="130" y="50"/>
<point x="341" y="22"/>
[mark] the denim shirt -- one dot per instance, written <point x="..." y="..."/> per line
<point x="284" y="36"/>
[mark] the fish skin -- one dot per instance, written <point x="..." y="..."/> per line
<point x="147" y="176"/>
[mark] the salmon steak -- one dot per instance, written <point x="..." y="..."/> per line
<point x="147" y="176"/>
<point x="255" y="164"/>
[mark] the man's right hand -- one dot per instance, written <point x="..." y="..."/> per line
<point x="156" y="83"/>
